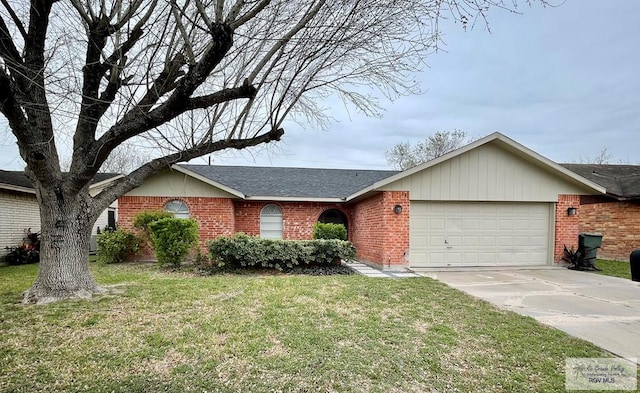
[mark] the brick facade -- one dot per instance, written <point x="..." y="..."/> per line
<point x="618" y="222"/>
<point x="567" y="227"/>
<point x="380" y="235"/>
<point x="214" y="215"/>
<point x="223" y="216"/>
<point x="298" y="218"/>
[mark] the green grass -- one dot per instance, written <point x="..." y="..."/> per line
<point x="614" y="268"/>
<point x="176" y="332"/>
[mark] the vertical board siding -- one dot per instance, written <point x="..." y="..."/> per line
<point x="488" y="173"/>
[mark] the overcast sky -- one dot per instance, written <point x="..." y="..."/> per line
<point x="563" y="81"/>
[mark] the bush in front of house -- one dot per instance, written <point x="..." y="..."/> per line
<point x="242" y="250"/>
<point x="142" y="220"/>
<point x="114" y="246"/>
<point x="329" y="231"/>
<point x="172" y="239"/>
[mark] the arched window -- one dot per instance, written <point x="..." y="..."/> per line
<point x="178" y="208"/>
<point x="271" y="222"/>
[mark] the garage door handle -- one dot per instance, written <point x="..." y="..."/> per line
<point x="446" y="242"/>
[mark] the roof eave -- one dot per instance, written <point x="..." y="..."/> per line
<point x="12" y="187"/>
<point x="294" y="199"/>
<point x="105" y="182"/>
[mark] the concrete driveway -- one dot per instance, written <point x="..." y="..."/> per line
<point x="600" y="309"/>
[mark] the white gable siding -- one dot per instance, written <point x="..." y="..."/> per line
<point x="487" y="173"/>
<point x="172" y="183"/>
<point x="18" y="211"/>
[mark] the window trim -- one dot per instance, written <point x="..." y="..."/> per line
<point x="178" y="213"/>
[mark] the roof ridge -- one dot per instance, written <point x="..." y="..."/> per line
<point x="288" y="167"/>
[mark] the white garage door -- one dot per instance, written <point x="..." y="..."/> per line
<point x="479" y="234"/>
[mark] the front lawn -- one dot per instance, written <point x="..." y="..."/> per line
<point x="613" y="268"/>
<point x="176" y="332"/>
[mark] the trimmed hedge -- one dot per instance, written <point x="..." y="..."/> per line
<point x="329" y="231"/>
<point x="242" y="250"/>
<point x="172" y="239"/>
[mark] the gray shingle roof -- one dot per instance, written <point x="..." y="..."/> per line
<point x="621" y="181"/>
<point x="291" y="182"/>
<point x="20" y="179"/>
<point x="15" y="178"/>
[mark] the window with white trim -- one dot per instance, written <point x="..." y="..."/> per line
<point x="271" y="222"/>
<point x="178" y="208"/>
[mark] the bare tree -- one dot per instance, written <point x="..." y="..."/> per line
<point x="404" y="156"/>
<point x="123" y="159"/>
<point x="191" y="77"/>
<point x="603" y="157"/>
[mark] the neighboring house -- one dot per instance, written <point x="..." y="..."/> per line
<point x="493" y="202"/>
<point x="19" y="209"/>
<point x="615" y="215"/>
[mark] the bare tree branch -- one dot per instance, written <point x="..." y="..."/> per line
<point x="404" y="155"/>
<point x="15" y="19"/>
<point x="137" y="177"/>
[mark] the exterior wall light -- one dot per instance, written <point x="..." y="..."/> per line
<point x="397" y="209"/>
<point x="572" y="211"/>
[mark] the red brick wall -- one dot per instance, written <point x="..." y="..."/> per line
<point x="567" y="227"/>
<point x="214" y="215"/>
<point x="298" y="218"/>
<point x="380" y="235"/>
<point x="397" y="240"/>
<point x="618" y="222"/>
<point x="368" y="229"/>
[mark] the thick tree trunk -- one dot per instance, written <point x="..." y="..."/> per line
<point x="64" y="249"/>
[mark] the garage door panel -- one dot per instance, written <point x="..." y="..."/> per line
<point x="486" y="258"/>
<point x="489" y="224"/>
<point x="505" y="224"/>
<point x="470" y="257"/>
<point x="472" y="224"/>
<point x="436" y="256"/>
<point x="539" y="225"/>
<point x="436" y="241"/>
<point x="479" y="234"/>
<point x="473" y="240"/>
<point x="522" y="224"/>
<point x="505" y="242"/>
<point x="436" y="224"/>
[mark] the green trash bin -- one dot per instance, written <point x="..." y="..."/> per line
<point x="589" y="244"/>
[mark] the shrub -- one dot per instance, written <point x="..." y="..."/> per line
<point x="172" y="239"/>
<point x="142" y="220"/>
<point x="242" y="250"/>
<point x="329" y="231"/>
<point x="114" y="246"/>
